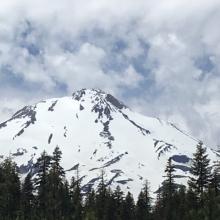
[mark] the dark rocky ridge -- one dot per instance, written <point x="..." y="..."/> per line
<point x="162" y="147"/>
<point x="99" y="96"/>
<point x="27" y="111"/>
<point x="51" y="108"/>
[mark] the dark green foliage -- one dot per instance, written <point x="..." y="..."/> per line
<point x="65" y="198"/>
<point x="49" y="196"/>
<point x="169" y="183"/>
<point x="143" y="206"/>
<point x="76" y="199"/>
<point x="166" y="195"/>
<point x="41" y="184"/>
<point x="101" y="198"/>
<point x="110" y="205"/>
<point x="169" y="189"/>
<point x="201" y="172"/>
<point x="27" y="198"/>
<point x="118" y="202"/>
<point x="55" y="186"/>
<point x="215" y="178"/>
<point x="179" y="203"/>
<point x="128" y="207"/>
<point x="141" y="210"/>
<point x="90" y="205"/>
<point x="9" y="190"/>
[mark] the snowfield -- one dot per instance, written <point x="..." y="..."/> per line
<point x="97" y="132"/>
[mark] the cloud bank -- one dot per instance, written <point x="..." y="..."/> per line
<point x="161" y="57"/>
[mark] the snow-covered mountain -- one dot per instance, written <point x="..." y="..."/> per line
<point x="95" y="131"/>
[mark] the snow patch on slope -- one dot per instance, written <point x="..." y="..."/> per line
<point x="95" y="131"/>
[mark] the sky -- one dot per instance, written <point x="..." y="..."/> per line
<point x="161" y="57"/>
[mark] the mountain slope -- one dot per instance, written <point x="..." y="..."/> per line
<point x="95" y="131"/>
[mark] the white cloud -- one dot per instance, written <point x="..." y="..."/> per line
<point x="94" y="44"/>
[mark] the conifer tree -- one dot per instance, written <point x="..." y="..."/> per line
<point x="128" y="211"/>
<point x="55" y="163"/>
<point x="165" y="197"/>
<point x="169" y="183"/>
<point x="179" y="209"/>
<point x="66" y="201"/>
<point x="158" y="207"/>
<point x="212" y="197"/>
<point x="110" y="206"/>
<point x="101" y="195"/>
<point x="143" y="206"/>
<point x="201" y="172"/>
<point x="192" y="205"/>
<point x="41" y="184"/>
<point x="169" y="189"/>
<point x="215" y="178"/>
<point x="55" y="185"/>
<point x="118" y="200"/>
<point x="90" y="205"/>
<point x="10" y="190"/>
<point x="76" y="198"/>
<point x="27" y="198"/>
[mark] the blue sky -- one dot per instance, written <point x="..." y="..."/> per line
<point x="161" y="58"/>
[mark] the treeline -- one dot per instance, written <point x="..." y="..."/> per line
<point x="49" y="196"/>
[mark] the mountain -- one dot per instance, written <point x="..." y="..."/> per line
<point x="95" y="131"/>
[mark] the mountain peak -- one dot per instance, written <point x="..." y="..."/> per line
<point x="81" y="94"/>
<point x="97" y="96"/>
<point x="96" y="131"/>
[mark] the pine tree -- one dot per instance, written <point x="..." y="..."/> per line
<point x="159" y="206"/>
<point x="143" y="206"/>
<point x="201" y="172"/>
<point x="118" y="200"/>
<point x="215" y="178"/>
<point x="90" y="205"/>
<point x="55" y="162"/>
<point x="212" y="197"/>
<point x="101" y="196"/>
<point x="76" y="198"/>
<point x="27" y="198"/>
<point x="179" y="209"/>
<point x="10" y="190"/>
<point x="55" y="185"/>
<point x="128" y="211"/>
<point x="41" y="184"/>
<point x="169" y="188"/>
<point x="169" y="183"/>
<point x="192" y="205"/>
<point x="66" y="201"/>
<point x="110" y="211"/>
<point x="165" y="197"/>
